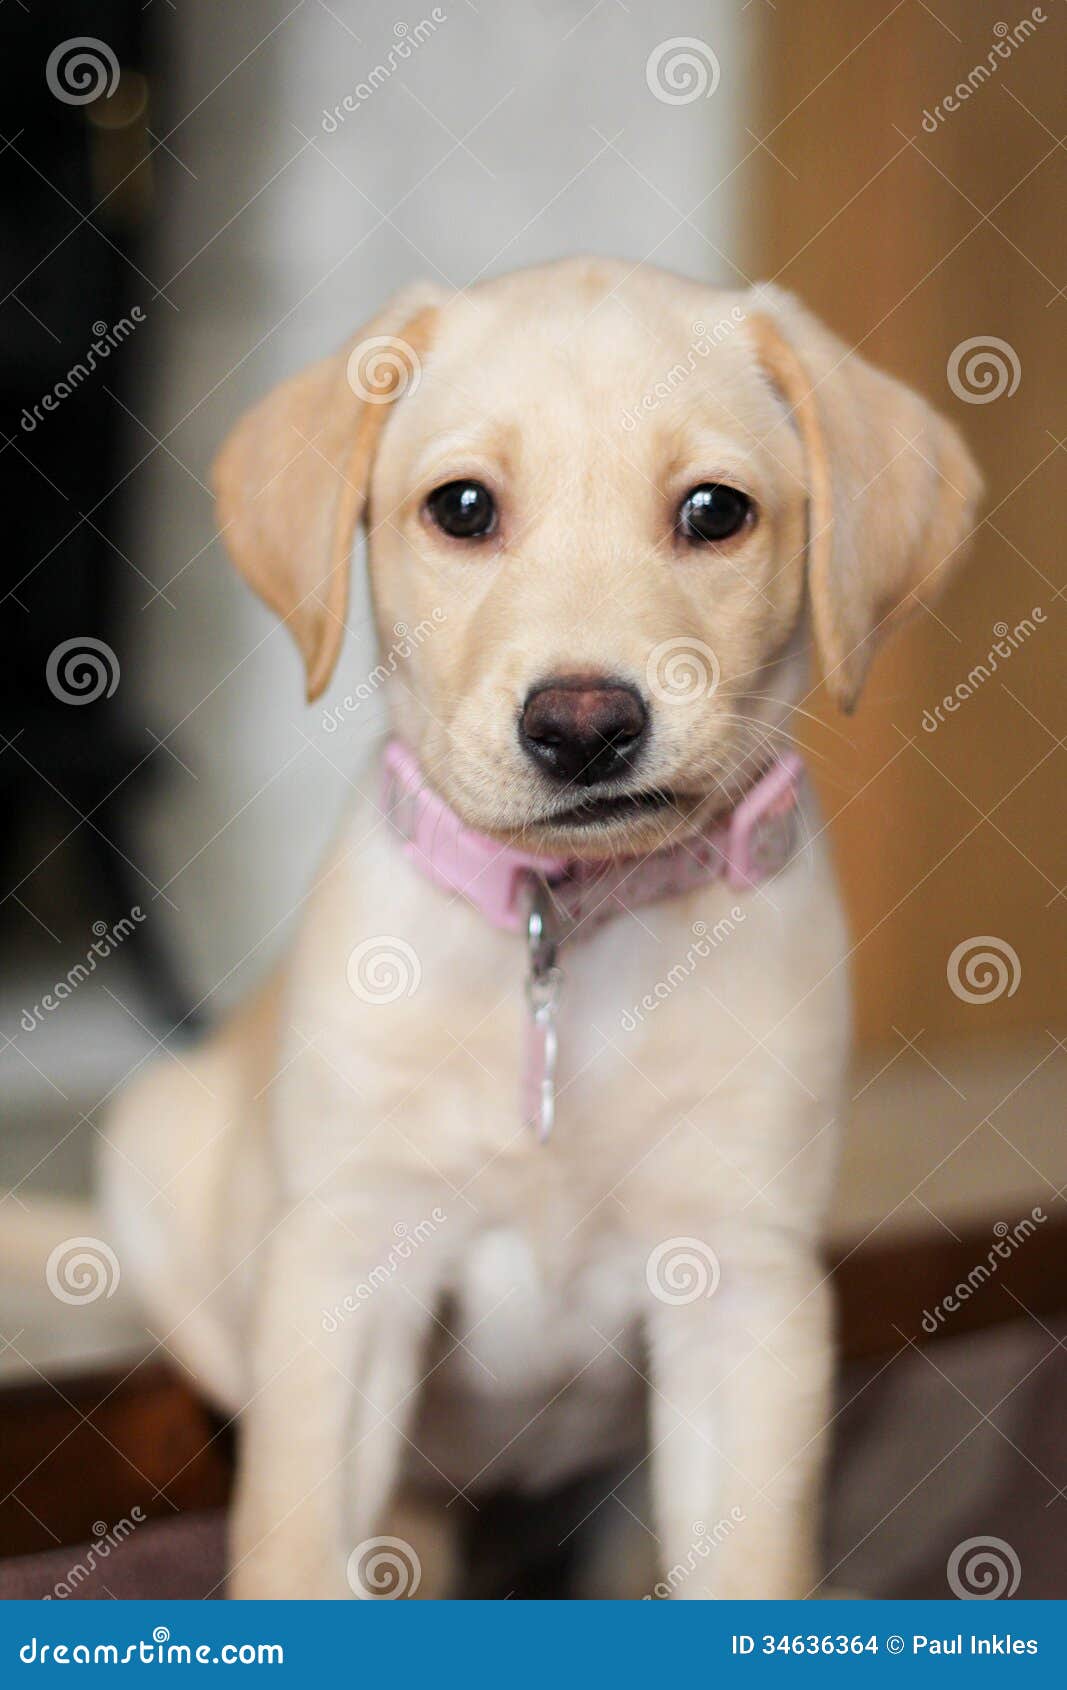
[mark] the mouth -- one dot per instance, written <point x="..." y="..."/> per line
<point x="625" y="807"/>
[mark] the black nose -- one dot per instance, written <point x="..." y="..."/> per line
<point x="582" y="729"/>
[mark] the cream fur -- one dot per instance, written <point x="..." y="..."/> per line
<point x="291" y="1148"/>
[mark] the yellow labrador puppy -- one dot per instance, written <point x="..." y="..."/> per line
<point x="519" y="1163"/>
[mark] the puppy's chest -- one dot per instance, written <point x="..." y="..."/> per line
<point x="636" y="1023"/>
<point x="537" y="1311"/>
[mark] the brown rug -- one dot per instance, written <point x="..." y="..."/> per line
<point x="966" y="1439"/>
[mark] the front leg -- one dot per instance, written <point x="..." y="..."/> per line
<point x="321" y="1438"/>
<point x="740" y="1408"/>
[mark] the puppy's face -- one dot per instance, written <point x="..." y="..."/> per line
<point x="610" y="597"/>
<point x="601" y="507"/>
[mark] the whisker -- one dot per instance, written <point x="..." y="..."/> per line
<point x="798" y="710"/>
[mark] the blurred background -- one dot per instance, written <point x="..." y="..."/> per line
<point x="199" y="198"/>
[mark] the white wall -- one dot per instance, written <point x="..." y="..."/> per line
<point x="283" y="241"/>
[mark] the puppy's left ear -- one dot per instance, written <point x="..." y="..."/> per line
<point x="892" y="488"/>
<point x="292" y="478"/>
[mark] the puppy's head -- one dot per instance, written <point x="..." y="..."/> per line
<point x="612" y="511"/>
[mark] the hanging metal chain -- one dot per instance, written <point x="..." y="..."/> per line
<point x="544" y="983"/>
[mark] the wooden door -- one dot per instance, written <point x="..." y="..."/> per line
<point x="909" y="182"/>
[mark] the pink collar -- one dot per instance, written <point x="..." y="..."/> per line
<point x="745" y="848"/>
<point x="553" y="899"/>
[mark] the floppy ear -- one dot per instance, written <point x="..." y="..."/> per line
<point x="292" y="478"/>
<point x="891" y="487"/>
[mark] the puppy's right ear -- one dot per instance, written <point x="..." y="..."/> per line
<point x="292" y="478"/>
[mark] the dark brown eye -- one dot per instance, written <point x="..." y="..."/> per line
<point x="713" y="512"/>
<point x="464" y="509"/>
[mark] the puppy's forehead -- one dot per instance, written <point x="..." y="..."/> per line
<point x="640" y="358"/>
